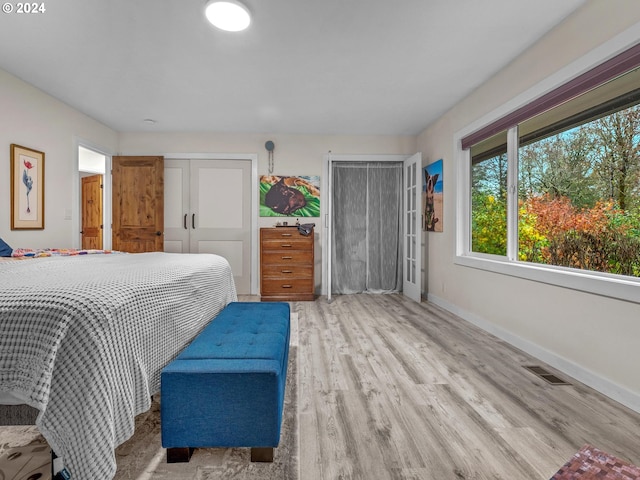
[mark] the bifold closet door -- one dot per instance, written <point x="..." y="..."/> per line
<point x="208" y="210"/>
<point x="176" y="206"/>
<point x="221" y="214"/>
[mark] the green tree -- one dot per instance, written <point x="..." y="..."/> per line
<point x="617" y="152"/>
<point x="560" y="166"/>
<point x="489" y="225"/>
<point x="489" y="205"/>
<point x="489" y="176"/>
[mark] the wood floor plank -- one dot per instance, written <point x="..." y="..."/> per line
<point x="393" y="389"/>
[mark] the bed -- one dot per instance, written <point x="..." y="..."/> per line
<point x="83" y="340"/>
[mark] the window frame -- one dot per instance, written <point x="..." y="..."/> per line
<point x="610" y="285"/>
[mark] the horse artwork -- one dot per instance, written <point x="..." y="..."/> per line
<point x="432" y="195"/>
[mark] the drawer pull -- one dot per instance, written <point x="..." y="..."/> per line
<point x="287" y="286"/>
<point x="287" y="245"/>
<point x="287" y="258"/>
<point x="286" y="234"/>
<point x="287" y="271"/>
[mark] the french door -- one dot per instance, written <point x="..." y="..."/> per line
<point x="412" y="284"/>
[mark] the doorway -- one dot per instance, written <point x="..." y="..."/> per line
<point x="94" y="225"/>
<point x="91" y="220"/>
<point x="366" y="240"/>
<point x="408" y="247"/>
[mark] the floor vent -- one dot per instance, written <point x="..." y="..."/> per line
<point x="546" y="375"/>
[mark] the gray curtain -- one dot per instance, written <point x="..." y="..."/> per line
<point x="366" y="251"/>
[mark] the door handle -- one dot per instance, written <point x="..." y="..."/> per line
<point x="193" y="221"/>
<point x="158" y="234"/>
<point x="185" y="221"/>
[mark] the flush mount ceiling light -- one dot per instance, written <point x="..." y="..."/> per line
<point x="229" y="15"/>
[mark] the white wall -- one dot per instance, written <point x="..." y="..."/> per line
<point x="293" y="155"/>
<point x="591" y="337"/>
<point x="36" y="120"/>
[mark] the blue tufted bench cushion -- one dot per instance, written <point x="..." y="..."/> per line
<point x="226" y="389"/>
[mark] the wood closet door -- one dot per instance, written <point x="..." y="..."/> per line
<point x="138" y="204"/>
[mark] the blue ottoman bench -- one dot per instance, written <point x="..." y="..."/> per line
<point x="226" y="389"/>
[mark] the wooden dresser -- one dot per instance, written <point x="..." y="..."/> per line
<point x="286" y="265"/>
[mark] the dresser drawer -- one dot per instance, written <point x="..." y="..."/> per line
<point x="287" y="272"/>
<point x="280" y="233"/>
<point x="287" y="257"/>
<point x="300" y="243"/>
<point x="284" y="287"/>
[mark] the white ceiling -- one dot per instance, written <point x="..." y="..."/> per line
<point x="304" y="66"/>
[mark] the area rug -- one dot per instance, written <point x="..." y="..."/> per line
<point x="25" y="455"/>
<point x="589" y="463"/>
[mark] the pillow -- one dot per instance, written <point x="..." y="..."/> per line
<point x="5" y="250"/>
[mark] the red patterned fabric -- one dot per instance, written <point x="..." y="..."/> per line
<point x="54" y="252"/>
<point x="593" y="464"/>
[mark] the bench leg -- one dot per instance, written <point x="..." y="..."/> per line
<point x="262" y="454"/>
<point x="179" y="455"/>
<point x="58" y="472"/>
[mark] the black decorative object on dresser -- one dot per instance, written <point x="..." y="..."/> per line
<point x="286" y="265"/>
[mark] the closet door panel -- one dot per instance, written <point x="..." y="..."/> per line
<point x="176" y="206"/>
<point x="220" y="197"/>
<point x="221" y="214"/>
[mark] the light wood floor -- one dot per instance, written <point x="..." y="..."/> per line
<point x="392" y="389"/>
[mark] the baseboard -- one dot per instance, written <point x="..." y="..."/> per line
<point x="597" y="382"/>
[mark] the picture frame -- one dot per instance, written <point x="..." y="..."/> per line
<point x="289" y="196"/>
<point x="432" y="197"/>
<point x="27" y="188"/>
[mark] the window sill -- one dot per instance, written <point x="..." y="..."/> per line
<point x="607" y="285"/>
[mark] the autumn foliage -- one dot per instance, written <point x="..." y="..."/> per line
<point x="602" y="238"/>
<point x="578" y="190"/>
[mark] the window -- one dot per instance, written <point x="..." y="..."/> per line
<point x="489" y="195"/>
<point x="566" y="169"/>
<point x="579" y="185"/>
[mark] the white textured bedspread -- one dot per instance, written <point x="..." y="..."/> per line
<point x="83" y="339"/>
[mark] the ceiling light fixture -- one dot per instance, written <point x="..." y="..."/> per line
<point x="229" y="15"/>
